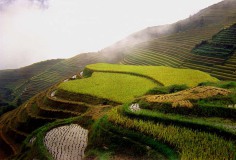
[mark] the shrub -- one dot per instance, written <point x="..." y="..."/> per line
<point x="176" y="88"/>
<point x="169" y="89"/>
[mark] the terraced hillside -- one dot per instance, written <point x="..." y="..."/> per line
<point x="167" y="45"/>
<point x="55" y="106"/>
<point x="215" y="56"/>
<point x="176" y="49"/>
<point x="20" y="84"/>
<point x="175" y="122"/>
<point x="170" y="50"/>
<point x="165" y="76"/>
<point x="11" y="80"/>
<point x="218" y="15"/>
<point x="222" y="47"/>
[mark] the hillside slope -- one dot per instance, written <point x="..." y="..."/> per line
<point x="172" y="131"/>
<point x="217" y="16"/>
<point x="25" y="82"/>
<point x="177" y="50"/>
<point x="12" y="80"/>
<point x="161" y="45"/>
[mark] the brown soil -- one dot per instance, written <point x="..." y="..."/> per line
<point x="98" y="111"/>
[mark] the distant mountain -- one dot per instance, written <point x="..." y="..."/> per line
<point x="19" y="85"/>
<point x="11" y="82"/>
<point x="222" y="13"/>
<point x="204" y="41"/>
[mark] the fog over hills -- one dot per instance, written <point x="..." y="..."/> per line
<point x="48" y="29"/>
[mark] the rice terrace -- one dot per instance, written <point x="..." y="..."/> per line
<point x="171" y="96"/>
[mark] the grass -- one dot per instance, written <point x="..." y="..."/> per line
<point x="26" y="82"/>
<point x="191" y="144"/>
<point x="120" y="88"/>
<point x="99" y="154"/>
<point x="164" y="75"/>
<point x="196" y="93"/>
<point x="212" y="50"/>
<point x="167" y="89"/>
<point x="105" y="133"/>
<point x="204" y="100"/>
<point x="38" y="149"/>
<point x="215" y="125"/>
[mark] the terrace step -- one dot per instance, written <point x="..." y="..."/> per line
<point x="49" y="112"/>
<point x="224" y="76"/>
<point x="231" y="65"/>
<point x="14" y="149"/>
<point x="197" y="67"/>
<point x="16" y="136"/>
<point x="34" y="121"/>
<point x="70" y="106"/>
<point x="229" y="71"/>
<point x="6" y="149"/>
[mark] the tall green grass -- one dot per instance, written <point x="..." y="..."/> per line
<point x="164" y="75"/>
<point x="106" y="133"/>
<point x="191" y="144"/>
<point x="216" y="125"/>
<point x="115" y="87"/>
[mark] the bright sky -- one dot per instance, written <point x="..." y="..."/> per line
<point x="66" y="28"/>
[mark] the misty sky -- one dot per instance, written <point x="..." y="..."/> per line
<point x="63" y="28"/>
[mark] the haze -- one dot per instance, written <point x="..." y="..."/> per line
<point x="30" y="32"/>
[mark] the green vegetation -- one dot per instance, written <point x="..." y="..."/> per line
<point x="28" y="81"/>
<point x="226" y="36"/>
<point x="37" y="148"/>
<point x="167" y="89"/>
<point x="15" y="83"/>
<point x="106" y="133"/>
<point x="164" y="75"/>
<point x="190" y="128"/>
<point x="191" y="144"/>
<point x="203" y="101"/>
<point x="120" y="88"/>
<point x="195" y="49"/>
<point x="157" y="131"/>
<point x="221" y="84"/>
<point x="214" y="50"/>
<point x="219" y="126"/>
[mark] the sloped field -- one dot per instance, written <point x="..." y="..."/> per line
<point x="163" y="75"/>
<point x="191" y="144"/>
<point x="120" y="88"/>
<point x="210" y="50"/>
<point x="181" y="99"/>
<point x="194" y="123"/>
<point x="197" y="132"/>
<point x="67" y="142"/>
